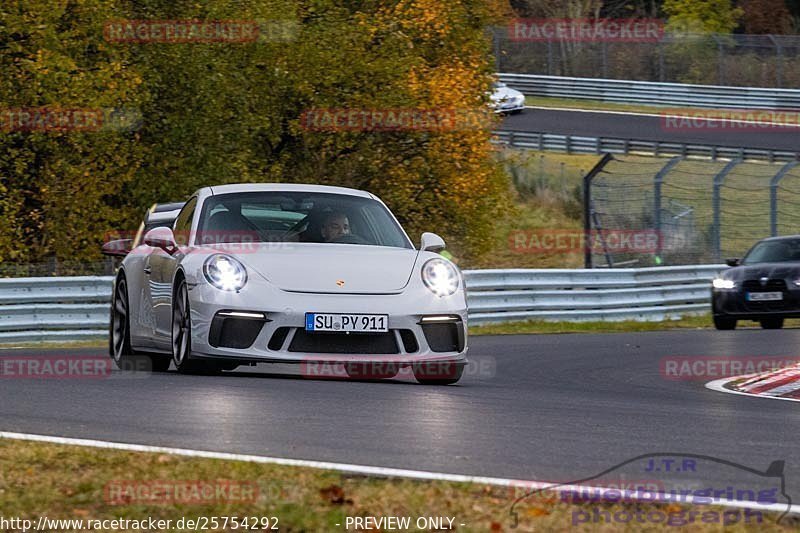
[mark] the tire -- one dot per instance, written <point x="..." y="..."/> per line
<point x="438" y="373"/>
<point x="371" y="371"/>
<point x="772" y="323"/>
<point x="119" y="337"/>
<point x="182" y="335"/>
<point x="724" y="323"/>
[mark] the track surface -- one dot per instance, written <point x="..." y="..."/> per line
<point x="648" y="128"/>
<point x="558" y="407"/>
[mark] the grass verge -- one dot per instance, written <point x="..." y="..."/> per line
<point x="76" y="483"/>
<point x="599" y="105"/>
<point x="541" y="326"/>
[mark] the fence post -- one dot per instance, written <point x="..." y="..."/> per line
<point x="657" y="182"/>
<point x="773" y="196"/>
<point x="778" y="60"/>
<point x="587" y="206"/>
<point x="716" y="201"/>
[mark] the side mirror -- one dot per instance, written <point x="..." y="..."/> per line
<point x="117" y="248"/>
<point x="161" y="238"/>
<point x="733" y="262"/>
<point x="431" y="243"/>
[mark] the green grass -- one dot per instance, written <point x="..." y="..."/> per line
<point x="69" y="482"/>
<point x="580" y="103"/>
<point x="541" y="326"/>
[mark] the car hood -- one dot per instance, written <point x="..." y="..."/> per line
<point x="332" y="268"/>
<point x="764" y="270"/>
<point x="504" y="93"/>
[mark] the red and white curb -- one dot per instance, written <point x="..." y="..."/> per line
<point x="783" y="384"/>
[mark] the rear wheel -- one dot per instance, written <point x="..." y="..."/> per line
<point x="724" y="323"/>
<point x="772" y="323"/>
<point x="182" y="334"/>
<point x="438" y="373"/>
<point x="119" y="337"/>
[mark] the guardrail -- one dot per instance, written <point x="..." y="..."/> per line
<point x="600" y="145"/>
<point x="49" y="309"/>
<point x="76" y="308"/>
<point x="650" y="294"/>
<point x="654" y="93"/>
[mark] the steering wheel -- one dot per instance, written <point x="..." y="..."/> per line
<point x="351" y="238"/>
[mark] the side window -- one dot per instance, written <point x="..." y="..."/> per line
<point x="183" y="224"/>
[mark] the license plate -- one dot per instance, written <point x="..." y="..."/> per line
<point x="355" y="323"/>
<point x="764" y="296"/>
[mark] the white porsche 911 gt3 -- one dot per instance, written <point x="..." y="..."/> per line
<point x="259" y="273"/>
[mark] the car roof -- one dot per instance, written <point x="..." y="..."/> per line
<point x="285" y="187"/>
<point x="781" y="238"/>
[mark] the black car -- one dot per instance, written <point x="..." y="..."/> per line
<point x="763" y="286"/>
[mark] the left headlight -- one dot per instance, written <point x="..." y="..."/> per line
<point x="440" y="277"/>
<point x="224" y="272"/>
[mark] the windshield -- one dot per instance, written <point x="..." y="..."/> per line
<point x="774" y="252"/>
<point x="298" y="217"/>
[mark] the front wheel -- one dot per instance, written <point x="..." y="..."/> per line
<point x="438" y="373"/>
<point x="182" y="334"/>
<point x="724" y="323"/>
<point x="772" y="323"/>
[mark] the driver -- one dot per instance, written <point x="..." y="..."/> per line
<point x="335" y="226"/>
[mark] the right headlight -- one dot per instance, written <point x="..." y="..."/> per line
<point x="719" y="283"/>
<point x="440" y="277"/>
<point x="224" y="272"/>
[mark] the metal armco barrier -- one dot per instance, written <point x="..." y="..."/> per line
<point x="75" y="308"/>
<point x="645" y="294"/>
<point x="50" y="309"/>
<point x="603" y="145"/>
<point x="654" y="93"/>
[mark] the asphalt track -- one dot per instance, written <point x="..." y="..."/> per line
<point x="544" y="407"/>
<point x="651" y="128"/>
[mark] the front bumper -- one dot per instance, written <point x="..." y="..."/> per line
<point x="508" y="108"/>
<point x="733" y="304"/>
<point x="281" y="337"/>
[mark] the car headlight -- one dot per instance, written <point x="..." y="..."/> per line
<point x="224" y="272"/>
<point x="440" y="277"/>
<point x="719" y="283"/>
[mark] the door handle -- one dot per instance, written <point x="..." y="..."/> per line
<point x="147" y="270"/>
